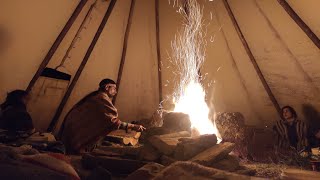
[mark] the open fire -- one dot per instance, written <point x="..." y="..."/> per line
<point x="189" y="54"/>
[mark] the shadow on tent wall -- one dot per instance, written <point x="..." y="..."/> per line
<point x="4" y="39"/>
<point x="46" y="96"/>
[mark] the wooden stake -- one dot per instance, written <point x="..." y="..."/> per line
<point x="158" y="51"/>
<point x="81" y="67"/>
<point x="300" y="22"/>
<point x="252" y="58"/>
<point x="56" y="43"/>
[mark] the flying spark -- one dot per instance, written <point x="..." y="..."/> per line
<point x="189" y="55"/>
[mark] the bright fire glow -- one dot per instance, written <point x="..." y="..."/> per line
<point x="189" y="54"/>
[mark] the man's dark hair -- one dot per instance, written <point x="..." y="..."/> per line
<point x="104" y="82"/>
<point x="294" y="113"/>
<point x="14" y="98"/>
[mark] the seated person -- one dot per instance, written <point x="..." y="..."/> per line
<point x="92" y="118"/>
<point x="14" y="116"/>
<point x="291" y="131"/>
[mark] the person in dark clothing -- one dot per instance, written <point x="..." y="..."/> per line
<point x="14" y="116"/>
<point x="92" y="118"/>
<point x="314" y="138"/>
<point x="291" y="131"/>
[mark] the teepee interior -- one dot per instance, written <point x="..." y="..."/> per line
<point x="258" y="56"/>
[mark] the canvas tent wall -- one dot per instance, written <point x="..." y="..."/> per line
<point x="287" y="58"/>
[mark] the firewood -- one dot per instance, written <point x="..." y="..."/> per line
<point x="123" y="137"/>
<point x="164" y="145"/>
<point x="167" y="143"/>
<point x="189" y="147"/>
<point x="176" y="134"/>
<point x="214" y="154"/>
<point x="123" y="151"/>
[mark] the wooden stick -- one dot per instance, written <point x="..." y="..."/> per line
<point x="252" y="58"/>
<point x="74" y="40"/>
<point x="81" y="67"/>
<point x="158" y="51"/>
<point x="56" y="43"/>
<point x="300" y="22"/>
<point x="124" y="48"/>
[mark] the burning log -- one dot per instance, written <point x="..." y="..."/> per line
<point x="123" y="137"/>
<point x="214" y="154"/>
<point x="189" y="147"/>
<point x="167" y="143"/>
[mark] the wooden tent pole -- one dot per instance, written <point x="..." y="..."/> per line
<point x="300" y="22"/>
<point x="74" y="40"/>
<point x="252" y="58"/>
<point x="81" y="67"/>
<point x="56" y="43"/>
<point x="158" y="51"/>
<point x="124" y="48"/>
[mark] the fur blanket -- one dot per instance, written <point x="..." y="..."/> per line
<point x="56" y="163"/>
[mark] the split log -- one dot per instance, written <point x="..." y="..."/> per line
<point x="189" y="147"/>
<point x="117" y="166"/>
<point x="145" y="152"/>
<point x="153" y="132"/>
<point x="123" y="137"/>
<point x="179" y="135"/>
<point x="167" y="143"/>
<point x="214" y="154"/>
<point x="164" y="145"/>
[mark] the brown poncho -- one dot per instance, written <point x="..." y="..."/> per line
<point x="88" y="121"/>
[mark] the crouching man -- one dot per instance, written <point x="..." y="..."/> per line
<point x="91" y="119"/>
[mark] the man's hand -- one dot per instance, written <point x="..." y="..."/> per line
<point x="138" y="128"/>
